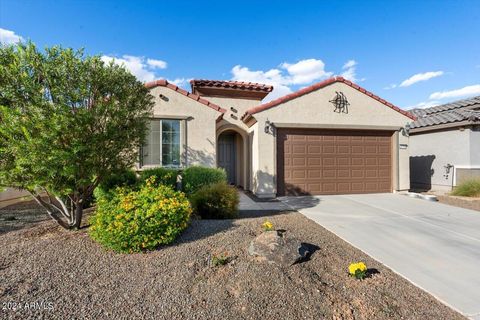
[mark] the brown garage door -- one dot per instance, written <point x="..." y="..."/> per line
<point x="312" y="161"/>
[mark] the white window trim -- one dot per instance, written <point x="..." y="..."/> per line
<point x="183" y="145"/>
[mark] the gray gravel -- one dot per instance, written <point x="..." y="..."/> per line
<point x="48" y="267"/>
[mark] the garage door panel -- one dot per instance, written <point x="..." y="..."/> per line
<point x="314" y="174"/>
<point x="341" y="162"/>
<point x="299" y="149"/>
<point x="297" y="161"/>
<point x="314" y="161"/>
<point x="343" y="174"/>
<point x="328" y="162"/>
<point x="343" y="150"/>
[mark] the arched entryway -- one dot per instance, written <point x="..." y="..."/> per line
<point x="231" y="155"/>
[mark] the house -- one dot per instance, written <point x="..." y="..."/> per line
<point x="445" y="145"/>
<point x="333" y="137"/>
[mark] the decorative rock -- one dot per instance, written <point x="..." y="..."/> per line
<point x="276" y="247"/>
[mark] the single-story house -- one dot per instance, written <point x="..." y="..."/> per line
<point x="445" y="145"/>
<point x="333" y="137"/>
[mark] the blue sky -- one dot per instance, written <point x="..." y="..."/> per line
<point x="408" y="52"/>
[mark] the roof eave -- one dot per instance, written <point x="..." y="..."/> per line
<point x="442" y="126"/>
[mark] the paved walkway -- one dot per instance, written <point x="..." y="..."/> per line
<point x="248" y="204"/>
<point x="435" y="246"/>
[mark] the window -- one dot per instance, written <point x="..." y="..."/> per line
<point x="162" y="146"/>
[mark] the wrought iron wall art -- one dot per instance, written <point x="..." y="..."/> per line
<point x="340" y="103"/>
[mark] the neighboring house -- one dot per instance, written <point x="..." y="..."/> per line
<point x="445" y="145"/>
<point x="333" y="137"/>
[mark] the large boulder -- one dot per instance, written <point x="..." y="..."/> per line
<point x="277" y="247"/>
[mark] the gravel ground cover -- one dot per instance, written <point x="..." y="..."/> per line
<point x="49" y="273"/>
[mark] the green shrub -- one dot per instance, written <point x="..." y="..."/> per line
<point x="134" y="221"/>
<point x="468" y="188"/>
<point x="120" y="178"/>
<point x="216" y="201"/>
<point x="196" y="177"/>
<point x="165" y="176"/>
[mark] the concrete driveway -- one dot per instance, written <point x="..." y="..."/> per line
<point x="435" y="246"/>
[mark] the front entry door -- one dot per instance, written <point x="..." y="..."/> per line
<point x="227" y="155"/>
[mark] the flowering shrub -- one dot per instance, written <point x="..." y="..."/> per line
<point x="357" y="270"/>
<point x="134" y="221"/>
<point x="165" y="176"/>
<point x="268" y="226"/>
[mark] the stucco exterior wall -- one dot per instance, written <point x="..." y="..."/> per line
<point x="475" y="147"/>
<point x="199" y="122"/>
<point x="314" y="110"/>
<point x="239" y="106"/>
<point x="430" y="152"/>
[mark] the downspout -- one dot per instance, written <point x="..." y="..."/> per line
<point x="398" y="160"/>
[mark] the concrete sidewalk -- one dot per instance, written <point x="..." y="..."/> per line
<point x="248" y="204"/>
<point x="435" y="246"/>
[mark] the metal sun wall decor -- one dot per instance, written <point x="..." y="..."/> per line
<point x="340" y="102"/>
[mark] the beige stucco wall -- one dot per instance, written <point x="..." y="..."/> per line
<point x="432" y="151"/>
<point x="234" y="116"/>
<point x="200" y="125"/>
<point x="315" y="110"/>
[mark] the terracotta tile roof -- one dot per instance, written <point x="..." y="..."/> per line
<point x="454" y="112"/>
<point x="317" y="86"/>
<point x="252" y="86"/>
<point x="165" y="83"/>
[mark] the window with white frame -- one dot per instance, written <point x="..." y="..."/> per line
<point x="163" y="143"/>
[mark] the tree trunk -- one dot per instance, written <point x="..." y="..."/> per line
<point x="77" y="218"/>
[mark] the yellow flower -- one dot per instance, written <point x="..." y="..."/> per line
<point x="267" y="226"/>
<point x="352" y="268"/>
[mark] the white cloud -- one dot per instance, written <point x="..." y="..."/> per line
<point x="391" y="86"/>
<point x="424" y="105"/>
<point x="288" y="74"/>
<point x="305" y="71"/>
<point x="272" y="77"/>
<point x="136" y="65"/>
<point x="154" y="63"/>
<point x="9" y="37"/>
<point x="350" y="71"/>
<point x="420" y="77"/>
<point x="457" y="93"/>
<point x="349" y="64"/>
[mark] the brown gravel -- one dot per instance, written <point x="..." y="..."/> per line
<point x="44" y="266"/>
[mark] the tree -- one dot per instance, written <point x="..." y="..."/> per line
<point x="67" y="121"/>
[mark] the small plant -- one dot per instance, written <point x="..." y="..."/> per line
<point x="468" y="188"/>
<point x="220" y="260"/>
<point x="194" y="178"/>
<point x="268" y="226"/>
<point x="358" y="270"/>
<point x="215" y="201"/>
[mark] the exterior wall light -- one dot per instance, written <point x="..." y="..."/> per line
<point x="405" y="130"/>
<point x="269" y="127"/>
